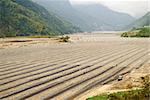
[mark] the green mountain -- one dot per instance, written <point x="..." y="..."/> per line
<point x="92" y="17"/>
<point x="139" y="28"/>
<point x="141" y="22"/>
<point x="24" y="17"/>
<point x="139" y="32"/>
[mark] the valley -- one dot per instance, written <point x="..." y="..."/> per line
<point x="74" y="49"/>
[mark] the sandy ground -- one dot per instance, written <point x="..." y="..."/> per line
<point x="21" y="42"/>
<point x="131" y="81"/>
<point x="77" y="64"/>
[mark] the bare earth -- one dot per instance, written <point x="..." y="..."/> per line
<point x="130" y="81"/>
<point x="21" y="42"/>
<point x="37" y="69"/>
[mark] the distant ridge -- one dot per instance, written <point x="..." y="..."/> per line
<point x="93" y="17"/>
<point x="141" y="22"/>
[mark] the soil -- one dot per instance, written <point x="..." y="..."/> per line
<point x="131" y="81"/>
<point x="21" y="42"/>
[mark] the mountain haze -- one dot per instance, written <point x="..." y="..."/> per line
<point x="92" y="17"/>
<point x="64" y="9"/>
<point x="141" y="22"/>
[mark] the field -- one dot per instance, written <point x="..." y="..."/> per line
<point x="63" y="71"/>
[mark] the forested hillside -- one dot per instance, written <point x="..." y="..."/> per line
<point x="24" y="17"/>
<point x="139" y="28"/>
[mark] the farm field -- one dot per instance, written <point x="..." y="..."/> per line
<point x="63" y="71"/>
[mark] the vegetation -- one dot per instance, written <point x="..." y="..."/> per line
<point x="140" y="27"/>
<point x="140" y="32"/>
<point x="64" y="39"/>
<point x="26" y="18"/>
<point x="138" y="94"/>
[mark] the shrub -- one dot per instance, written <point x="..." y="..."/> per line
<point x="64" y="39"/>
<point x="140" y="32"/>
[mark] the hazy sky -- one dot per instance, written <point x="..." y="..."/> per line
<point x="136" y="8"/>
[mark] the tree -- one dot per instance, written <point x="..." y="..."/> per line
<point x="4" y="17"/>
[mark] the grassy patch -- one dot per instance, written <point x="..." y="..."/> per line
<point x="138" y="94"/>
<point x="140" y="32"/>
<point x="100" y="97"/>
